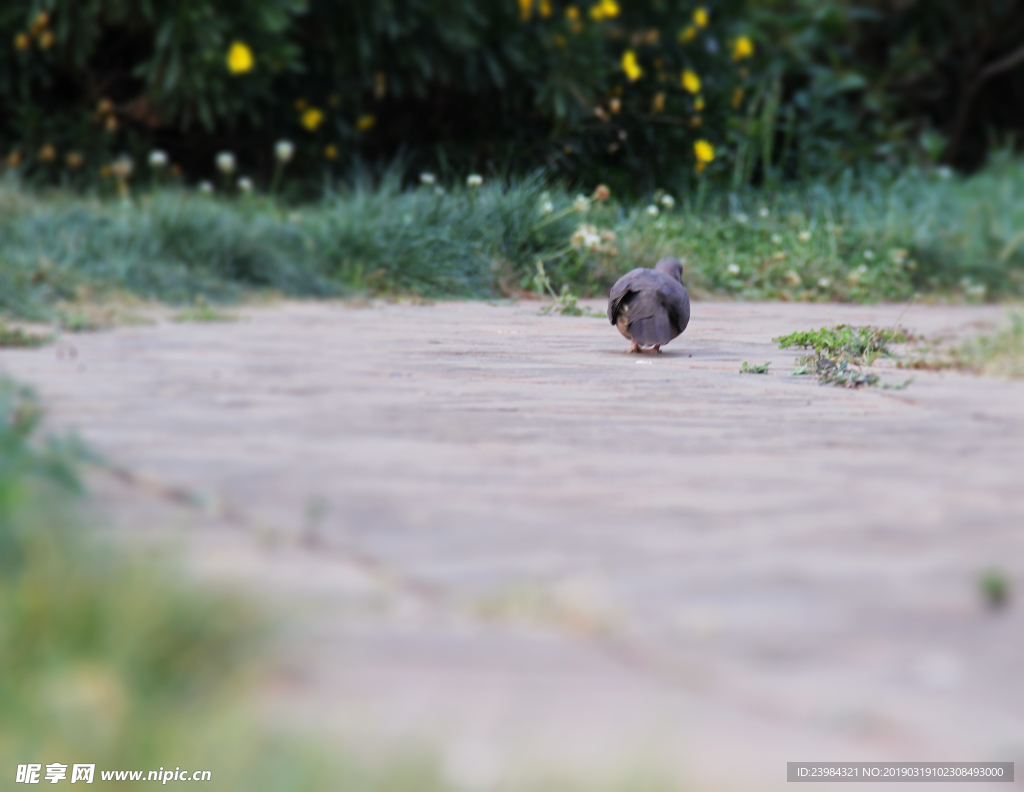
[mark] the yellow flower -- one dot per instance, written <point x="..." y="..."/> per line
<point x="331" y="152"/>
<point x="312" y="118"/>
<point x="21" y="41"/>
<point x="366" y="122"/>
<point x="688" y="33"/>
<point x="705" y="151"/>
<point x="41" y="21"/>
<point x="74" y="160"/>
<point x="240" y="59"/>
<point x="698" y="103"/>
<point x="737" y="97"/>
<point x="46" y="39"/>
<point x="572" y="13"/>
<point x="545" y="8"/>
<point x="700" y="17"/>
<point x="606" y="9"/>
<point x="47" y="153"/>
<point x="525" y="10"/>
<point x="691" y="82"/>
<point x="630" y="66"/>
<point x="658" y="103"/>
<point x="742" y="48"/>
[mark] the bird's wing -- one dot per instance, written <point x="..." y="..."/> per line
<point x="676" y="300"/>
<point x="623" y="286"/>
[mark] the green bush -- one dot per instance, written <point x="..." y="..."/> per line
<point x="591" y="90"/>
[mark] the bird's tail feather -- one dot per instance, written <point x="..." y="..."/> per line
<point x="651" y="330"/>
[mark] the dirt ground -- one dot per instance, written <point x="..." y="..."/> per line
<point x="497" y="535"/>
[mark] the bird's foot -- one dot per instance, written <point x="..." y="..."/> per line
<point x="635" y="350"/>
<point x="656" y="349"/>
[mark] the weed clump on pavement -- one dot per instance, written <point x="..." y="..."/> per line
<point x="754" y="368"/>
<point x="16" y="337"/>
<point x="839" y="352"/>
<point x="1000" y="353"/>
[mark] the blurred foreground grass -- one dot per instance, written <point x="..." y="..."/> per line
<point x="106" y="660"/>
<point x="860" y="239"/>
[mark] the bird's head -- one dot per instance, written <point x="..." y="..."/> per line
<point x="672" y="267"/>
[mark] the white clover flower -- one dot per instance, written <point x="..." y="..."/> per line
<point x="824" y="283"/>
<point x="205" y="188"/>
<point x="776" y="239"/>
<point x="581" y="204"/>
<point x="226" y="163"/>
<point x="427" y="178"/>
<point x="741" y="218"/>
<point x="547" y="208"/>
<point x="122" y="167"/>
<point x="763" y="211"/>
<point x="804" y="236"/>
<point x="652" y="210"/>
<point x="668" y="201"/>
<point x="158" y="159"/>
<point x="245" y="185"/>
<point x="439" y="190"/>
<point x="733" y="269"/>
<point x="855" y="275"/>
<point x="474" y="180"/>
<point x="944" y="172"/>
<point x="869" y="254"/>
<point x="284" y="150"/>
<point x="793" y="277"/>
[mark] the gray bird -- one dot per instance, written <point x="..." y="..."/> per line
<point x="650" y="306"/>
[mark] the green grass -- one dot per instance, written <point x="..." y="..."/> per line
<point x="859" y="239"/>
<point x="999" y="354"/>
<point x="754" y="368"/>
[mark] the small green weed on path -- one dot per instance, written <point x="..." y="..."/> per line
<point x="755" y="368"/>
<point x="202" y="311"/>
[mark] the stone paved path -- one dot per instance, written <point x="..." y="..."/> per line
<point x="497" y="534"/>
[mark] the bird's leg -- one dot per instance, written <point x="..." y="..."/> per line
<point x="656" y="349"/>
<point x="636" y="349"/>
